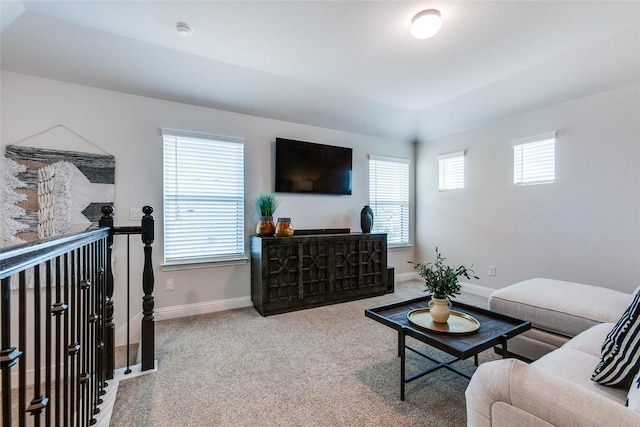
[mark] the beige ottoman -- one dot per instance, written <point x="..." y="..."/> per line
<point x="557" y="311"/>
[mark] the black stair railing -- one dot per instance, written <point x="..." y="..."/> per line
<point x="57" y="328"/>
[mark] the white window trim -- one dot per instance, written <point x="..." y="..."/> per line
<point x="534" y="138"/>
<point x="450" y="155"/>
<point x="402" y="244"/>
<point x="206" y="261"/>
<point x="456" y="154"/>
<point x="529" y="140"/>
<point x="189" y="134"/>
<point x="390" y="159"/>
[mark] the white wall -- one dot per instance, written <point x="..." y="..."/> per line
<point x="128" y="127"/>
<point x="585" y="227"/>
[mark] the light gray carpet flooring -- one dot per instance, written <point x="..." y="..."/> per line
<point x="327" y="366"/>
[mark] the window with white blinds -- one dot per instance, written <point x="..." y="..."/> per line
<point x="534" y="160"/>
<point x="389" y="198"/>
<point x="451" y="171"/>
<point x="203" y="198"/>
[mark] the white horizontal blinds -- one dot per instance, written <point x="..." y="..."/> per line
<point x="203" y="198"/>
<point x="389" y="198"/>
<point x="534" y="160"/>
<point x="451" y="171"/>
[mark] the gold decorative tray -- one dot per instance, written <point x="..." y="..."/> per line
<point x="458" y="323"/>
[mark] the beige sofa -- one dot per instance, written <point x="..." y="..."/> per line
<point x="556" y="389"/>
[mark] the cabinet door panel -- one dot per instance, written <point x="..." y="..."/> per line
<point x="282" y="273"/>
<point x="346" y="265"/>
<point x="314" y="269"/>
<point x="373" y="264"/>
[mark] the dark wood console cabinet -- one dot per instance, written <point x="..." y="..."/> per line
<point x="293" y="273"/>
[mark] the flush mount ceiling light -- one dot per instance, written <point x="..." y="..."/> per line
<point x="426" y="24"/>
<point x="183" y="29"/>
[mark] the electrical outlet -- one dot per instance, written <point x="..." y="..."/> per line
<point x="492" y="270"/>
<point x="169" y="284"/>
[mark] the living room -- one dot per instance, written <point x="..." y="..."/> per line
<point x="585" y="227"/>
<point x="568" y="230"/>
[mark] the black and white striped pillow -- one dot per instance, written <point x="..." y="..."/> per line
<point x="621" y="348"/>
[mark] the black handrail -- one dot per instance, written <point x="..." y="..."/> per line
<point x="21" y="257"/>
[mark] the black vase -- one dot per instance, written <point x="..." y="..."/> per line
<point x="366" y="219"/>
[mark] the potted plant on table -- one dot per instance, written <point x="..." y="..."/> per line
<point x="442" y="282"/>
<point x="266" y="203"/>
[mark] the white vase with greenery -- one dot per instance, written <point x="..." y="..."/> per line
<point x="441" y="281"/>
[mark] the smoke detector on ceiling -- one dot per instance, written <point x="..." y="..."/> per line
<point x="183" y="29"/>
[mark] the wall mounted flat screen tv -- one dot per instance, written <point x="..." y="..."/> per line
<point x="305" y="167"/>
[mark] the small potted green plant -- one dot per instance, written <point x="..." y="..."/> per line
<point x="266" y="203"/>
<point x="442" y="282"/>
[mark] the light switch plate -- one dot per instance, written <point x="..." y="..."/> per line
<point x="135" y="214"/>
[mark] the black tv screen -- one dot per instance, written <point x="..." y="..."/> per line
<point x="305" y="167"/>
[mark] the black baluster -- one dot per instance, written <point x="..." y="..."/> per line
<point x="39" y="401"/>
<point x="8" y="354"/>
<point x="148" y="325"/>
<point x="85" y="288"/>
<point x="22" y="343"/>
<point x="66" y="416"/>
<point x="109" y="337"/>
<point x="95" y="324"/>
<point x="102" y="251"/>
<point x="74" y="346"/>
<point x="128" y="345"/>
<point x="57" y="311"/>
<point x="48" y="345"/>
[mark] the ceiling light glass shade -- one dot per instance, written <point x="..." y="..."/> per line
<point x="426" y="24"/>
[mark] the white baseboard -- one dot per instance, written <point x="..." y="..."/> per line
<point x="185" y="310"/>
<point x="177" y="311"/>
<point x="482" y="291"/>
<point x="404" y="277"/>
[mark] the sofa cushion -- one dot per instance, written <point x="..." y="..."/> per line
<point x="633" y="397"/>
<point x="590" y="341"/>
<point x="621" y="348"/>
<point x="560" y="307"/>
<point x="576" y="367"/>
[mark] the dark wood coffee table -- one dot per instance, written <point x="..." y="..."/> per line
<point x="495" y="329"/>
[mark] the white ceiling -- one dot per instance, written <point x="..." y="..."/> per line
<point x="348" y="65"/>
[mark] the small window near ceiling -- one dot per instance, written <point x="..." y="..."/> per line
<point x="389" y="198"/>
<point x="203" y="198"/>
<point x="451" y="171"/>
<point x="534" y="160"/>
